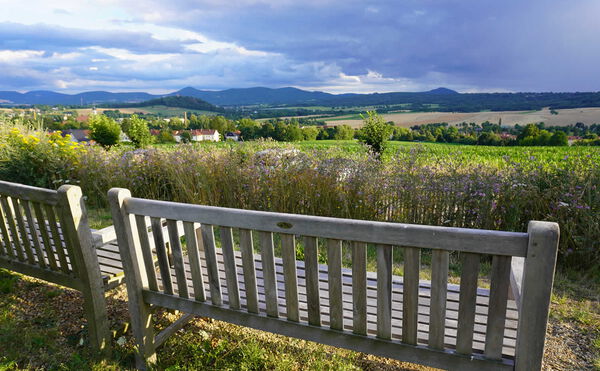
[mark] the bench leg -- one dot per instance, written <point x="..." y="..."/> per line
<point x="143" y="331"/>
<point x="97" y="319"/>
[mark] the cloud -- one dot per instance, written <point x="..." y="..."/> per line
<point x="332" y="45"/>
<point x="16" y="36"/>
<point x="481" y="43"/>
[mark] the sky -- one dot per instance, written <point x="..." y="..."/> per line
<point x="337" y="46"/>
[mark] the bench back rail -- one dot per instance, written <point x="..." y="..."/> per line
<point x="217" y="273"/>
<point x="44" y="234"/>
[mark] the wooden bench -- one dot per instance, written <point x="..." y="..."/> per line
<point x="427" y="322"/>
<point x="45" y="234"/>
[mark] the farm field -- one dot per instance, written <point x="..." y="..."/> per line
<point x="587" y="116"/>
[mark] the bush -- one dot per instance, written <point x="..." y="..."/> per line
<point x="105" y="131"/>
<point x="138" y="132"/>
<point x="38" y="158"/>
<point x="375" y="133"/>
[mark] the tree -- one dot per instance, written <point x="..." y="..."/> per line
<point x="186" y="137"/>
<point x="559" y="138"/>
<point x="343" y="132"/>
<point x="165" y="136"/>
<point x="103" y="130"/>
<point x="310" y="132"/>
<point x="138" y="132"/>
<point x="375" y="133"/>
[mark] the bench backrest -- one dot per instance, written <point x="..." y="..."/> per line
<point x="44" y="233"/>
<point x="324" y="319"/>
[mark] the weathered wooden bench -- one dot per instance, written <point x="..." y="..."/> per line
<point x="427" y="322"/>
<point x="45" y="234"/>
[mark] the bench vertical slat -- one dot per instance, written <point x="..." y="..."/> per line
<point x="62" y="258"/>
<point x="210" y="253"/>
<point x="233" y="291"/>
<point x="23" y="230"/>
<point x="146" y="248"/>
<point x="500" y="283"/>
<point x="6" y="240"/>
<point x="359" y="287"/>
<point x="439" y="287"/>
<point x="191" y="239"/>
<point x="33" y="232"/>
<point x="13" y="228"/>
<point x="45" y="236"/>
<point x="268" y="265"/>
<point x="182" y="288"/>
<point x="410" y="294"/>
<point x="161" y="254"/>
<point x="334" y="263"/>
<point x="288" y="252"/>
<point x="311" y="263"/>
<point x="467" y="302"/>
<point x="384" y="291"/>
<point x="538" y="275"/>
<point x="247" y="249"/>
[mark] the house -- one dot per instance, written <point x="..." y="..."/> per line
<point x="233" y="135"/>
<point x="77" y="135"/>
<point x="200" y="135"/>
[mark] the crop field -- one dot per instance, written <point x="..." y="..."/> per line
<point x="587" y="116"/>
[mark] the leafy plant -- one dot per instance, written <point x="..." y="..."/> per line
<point x="105" y="131"/>
<point x="375" y="132"/>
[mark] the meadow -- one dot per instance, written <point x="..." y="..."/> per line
<point x="439" y="184"/>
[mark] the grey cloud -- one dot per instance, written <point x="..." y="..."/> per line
<point x="16" y="36"/>
<point x="481" y="43"/>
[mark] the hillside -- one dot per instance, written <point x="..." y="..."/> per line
<point x="440" y="99"/>
<point x="173" y="101"/>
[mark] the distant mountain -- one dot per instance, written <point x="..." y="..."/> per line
<point x="441" y="91"/>
<point x="440" y="99"/>
<point x="173" y="101"/>
<point x="87" y="98"/>
<point x="256" y="96"/>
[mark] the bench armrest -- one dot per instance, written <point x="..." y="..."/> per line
<point x="103" y="236"/>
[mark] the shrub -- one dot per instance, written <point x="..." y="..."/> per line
<point x="105" y="131"/>
<point x="39" y="159"/>
<point x="375" y="133"/>
<point x="138" y="132"/>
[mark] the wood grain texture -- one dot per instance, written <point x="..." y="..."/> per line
<point x="439" y="286"/>
<point x="247" y="251"/>
<point x="146" y="250"/>
<point x="268" y="264"/>
<point x="182" y="288"/>
<point x="288" y="252"/>
<point x="192" y="241"/>
<point x="468" y="298"/>
<point x="500" y="284"/>
<point x="161" y="254"/>
<point x="359" y="287"/>
<point x="311" y="263"/>
<point x="334" y="263"/>
<point x="230" y="270"/>
<point x="410" y="295"/>
<point x="384" y="291"/>
<point x="210" y="253"/>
